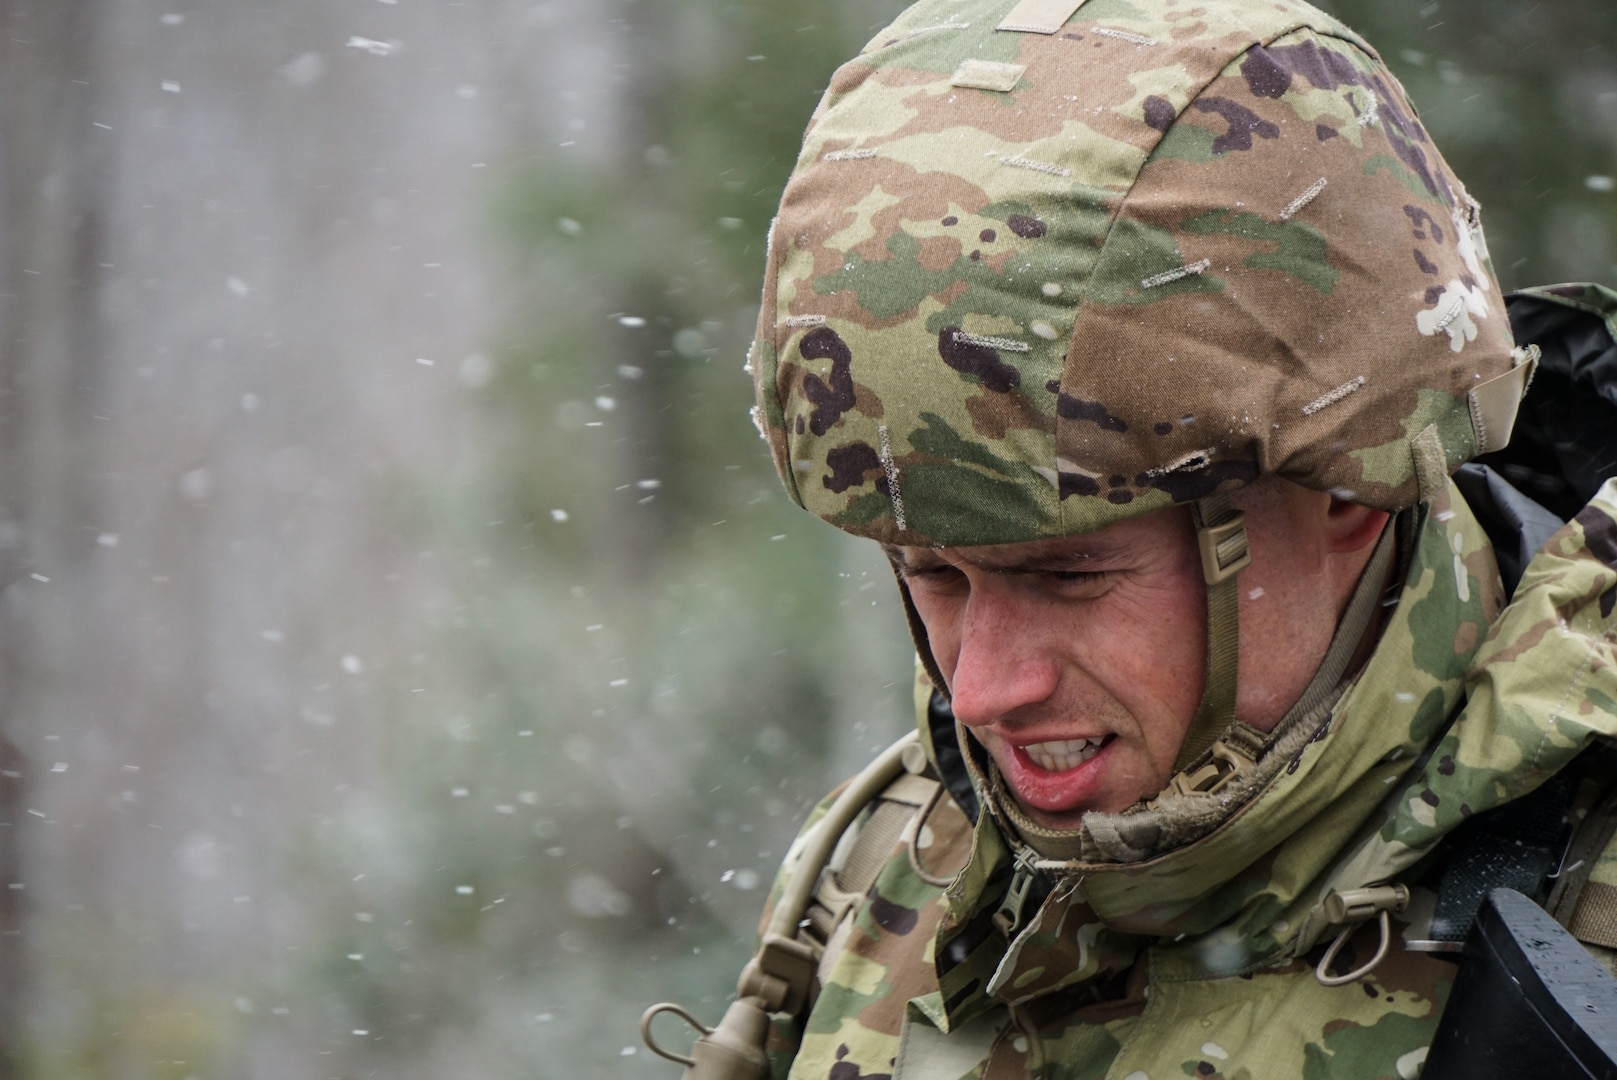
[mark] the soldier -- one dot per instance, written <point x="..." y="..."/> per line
<point x="1151" y="340"/>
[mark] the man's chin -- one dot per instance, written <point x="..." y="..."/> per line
<point x="1058" y="820"/>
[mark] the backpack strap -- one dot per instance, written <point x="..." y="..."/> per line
<point x="857" y="861"/>
<point x="1584" y="899"/>
<point x="782" y="976"/>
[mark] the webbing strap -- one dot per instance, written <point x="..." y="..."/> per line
<point x="872" y="845"/>
<point x="861" y="854"/>
<point x="1589" y="908"/>
<point x="1223" y="543"/>
<point x="1594" y="833"/>
<point x="822" y="839"/>
<point x="1595" y="920"/>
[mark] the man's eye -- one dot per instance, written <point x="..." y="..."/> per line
<point x="1076" y="577"/>
<point x="932" y="576"/>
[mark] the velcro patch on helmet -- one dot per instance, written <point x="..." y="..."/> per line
<point x="988" y="75"/>
<point x="1039" y="16"/>
<point x="1494" y="403"/>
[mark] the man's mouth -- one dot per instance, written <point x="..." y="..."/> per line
<point x="1063" y="754"/>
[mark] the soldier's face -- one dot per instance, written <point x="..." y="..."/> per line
<point x="1078" y="663"/>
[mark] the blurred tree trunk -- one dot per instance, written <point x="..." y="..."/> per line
<point x="650" y="411"/>
<point x="52" y="169"/>
<point x="12" y="973"/>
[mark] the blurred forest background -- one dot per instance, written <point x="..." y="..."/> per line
<point x="407" y="665"/>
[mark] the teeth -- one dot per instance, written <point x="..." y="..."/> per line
<point x="1063" y="754"/>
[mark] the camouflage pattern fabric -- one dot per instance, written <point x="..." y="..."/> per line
<point x="1024" y="284"/>
<point x="1199" y="962"/>
<point x="1598" y="300"/>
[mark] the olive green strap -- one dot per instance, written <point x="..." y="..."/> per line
<point x="1588" y="908"/>
<point x="1595" y="920"/>
<point x="1221" y="535"/>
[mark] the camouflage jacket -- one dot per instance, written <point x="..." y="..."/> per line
<point x="1200" y="961"/>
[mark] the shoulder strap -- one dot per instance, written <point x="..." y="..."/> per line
<point x="864" y="850"/>
<point x="1583" y="903"/>
<point x="783" y="972"/>
<point x="782" y="975"/>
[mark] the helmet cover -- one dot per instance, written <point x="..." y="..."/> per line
<point x="1030" y="280"/>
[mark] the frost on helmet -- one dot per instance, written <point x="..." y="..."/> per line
<point x="1024" y="284"/>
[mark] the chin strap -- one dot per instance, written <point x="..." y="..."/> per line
<point x="1221" y="536"/>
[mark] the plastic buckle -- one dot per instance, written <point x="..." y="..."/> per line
<point x="781" y="974"/>
<point x="1356" y="905"/>
<point x="1348" y="908"/>
<point x="1224" y="548"/>
<point x="1211" y="778"/>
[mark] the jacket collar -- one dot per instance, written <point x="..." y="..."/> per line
<point x="1241" y="896"/>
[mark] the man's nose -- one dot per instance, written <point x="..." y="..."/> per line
<point x="1003" y="665"/>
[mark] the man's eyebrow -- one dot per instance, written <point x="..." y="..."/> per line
<point x="897" y="556"/>
<point x="1035" y="563"/>
<point x="1044" y="561"/>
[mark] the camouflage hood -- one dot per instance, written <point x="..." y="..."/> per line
<point x="1468" y="703"/>
<point x="1042" y="265"/>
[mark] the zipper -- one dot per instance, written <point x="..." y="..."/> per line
<point x="1008" y="918"/>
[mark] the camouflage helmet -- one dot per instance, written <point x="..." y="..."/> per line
<point x="1043" y="265"/>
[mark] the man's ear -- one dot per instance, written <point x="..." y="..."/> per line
<point x="1351" y="526"/>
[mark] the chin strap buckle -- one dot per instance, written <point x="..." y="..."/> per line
<point x="1224" y="548"/>
<point x="1222" y="540"/>
<point x="1213" y="777"/>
